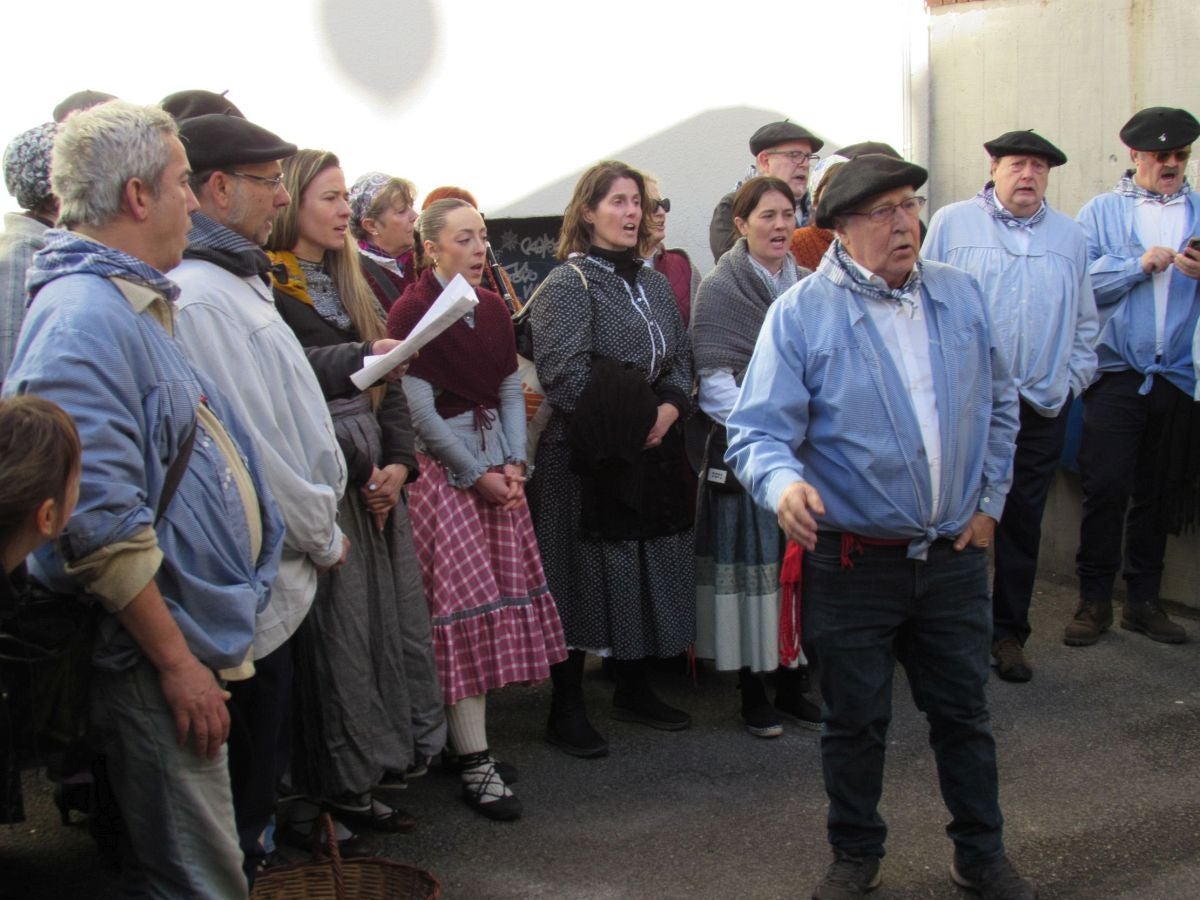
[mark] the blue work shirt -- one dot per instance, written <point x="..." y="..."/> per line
<point x="823" y="402"/>
<point x="1038" y="291"/>
<point x="1125" y="295"/>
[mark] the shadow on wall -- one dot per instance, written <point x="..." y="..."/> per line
<point x="696" y="162"/>
<point x="387" y="69"/>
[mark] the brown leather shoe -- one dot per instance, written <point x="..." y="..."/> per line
<point x="1090" y="621"/>
<point x="1011" y="664"/>
<point x="1150" y="620"/>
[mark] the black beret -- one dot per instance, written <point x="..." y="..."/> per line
<point x="1025" y="143"/>
<point x="1160" y="128"/>
<point x="78" y="101"/>
<point x="861" y="179"/>
<point x="189" y="104"/>
<point x="780" y="133"/>
<point x="861" y="149"/>
<point x="217" y="141"/>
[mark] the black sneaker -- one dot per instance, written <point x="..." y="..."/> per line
<point x="996" y="879"/>
<point x="849" y="877"/>
<point x="800" y="710"/>
<point x="760" y="717"/>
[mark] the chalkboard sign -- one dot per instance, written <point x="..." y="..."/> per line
<point x="525" y="247"/>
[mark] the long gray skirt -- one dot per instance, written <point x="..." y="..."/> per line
<point x="367" y="696"/>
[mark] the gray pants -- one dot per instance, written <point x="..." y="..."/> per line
<point x="177" y="807"/>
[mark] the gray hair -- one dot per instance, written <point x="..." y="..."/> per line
<point x="98" y="150"/>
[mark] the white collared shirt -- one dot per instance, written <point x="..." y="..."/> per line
<point x="906" y="336"/>
<point x="1160" y="225"/>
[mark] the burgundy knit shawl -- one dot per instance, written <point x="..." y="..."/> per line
<point x="467" y="364"/>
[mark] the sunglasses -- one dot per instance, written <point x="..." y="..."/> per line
<point x="1165" y="156"/>
<point x="663" y="203"/>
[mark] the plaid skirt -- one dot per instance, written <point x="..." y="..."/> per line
<point x="494" y="619"/>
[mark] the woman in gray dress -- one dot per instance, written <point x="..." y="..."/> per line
<point x="608" y="496"/>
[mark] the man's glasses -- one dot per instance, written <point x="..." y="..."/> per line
<point x="662" y="203"/>
<point x="881" y="214"/>
<point x="1165" y="156"/>
<point x="799" y="157"/>
<point x="274" y="183"/>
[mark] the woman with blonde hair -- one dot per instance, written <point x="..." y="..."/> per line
<point x="367" y="699"/>
<point x="494" y="621"/>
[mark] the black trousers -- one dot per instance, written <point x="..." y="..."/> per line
<point x="259" y="712"/>
<point x="1019" y="534"/>
<point x="1122" y="430"/>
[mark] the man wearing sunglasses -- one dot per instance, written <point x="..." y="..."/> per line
<point x="1031" y="262"/>
<point x="783" y="149"/>
<point x="877" y="418"/>
<point x="1145" y="277"/>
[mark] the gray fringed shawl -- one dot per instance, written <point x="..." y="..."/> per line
<point x="730" y="307"/>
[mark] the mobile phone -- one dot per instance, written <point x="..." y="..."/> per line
<point x="1194" y="243"/>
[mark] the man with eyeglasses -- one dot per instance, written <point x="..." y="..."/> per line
<point x="877" y="418"/>
<point x="1145" y="276"/>
<point x="1031" y="262"/>
<point x="783" y="149"/>
<point x="230" y="330"/>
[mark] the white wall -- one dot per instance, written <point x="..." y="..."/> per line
<point x="1075" y="71"/>
<point x="506" y="99"/>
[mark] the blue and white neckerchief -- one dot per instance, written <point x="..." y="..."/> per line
<point x="1127" y="187"/>
<point x="997" y="211"/>
<point x="906" y="295"/>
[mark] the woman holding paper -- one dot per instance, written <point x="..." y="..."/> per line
<point x="494" y="621"/>
<point x="367" y="701"/>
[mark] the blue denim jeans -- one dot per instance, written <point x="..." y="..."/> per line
<point x="862" y="612"/>
<point x="176" y="806"/>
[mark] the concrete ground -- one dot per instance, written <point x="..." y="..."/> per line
<point x="1099" y="782"/>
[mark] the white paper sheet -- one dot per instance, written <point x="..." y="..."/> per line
<point x="456" y="300"/>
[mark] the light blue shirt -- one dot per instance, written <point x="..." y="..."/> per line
<point x="1125" y="295"/>
<point x="823" y="401"/>
<point x="1039" y="295"/>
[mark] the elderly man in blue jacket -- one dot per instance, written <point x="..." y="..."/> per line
<point x="179" y="583"/>
<point x="877" y="418"/>
<point x="1147" y="282"/>
<point x="1031" y="262"/>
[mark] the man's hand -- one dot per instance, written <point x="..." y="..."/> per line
<point x="667" y="414"/>
<point x="384" y="346"/>
<point x="978" y="532"/>
<point x="1188" y="262"/>
<point x="1156" y="260"/>
<point x="799" y="503"/>
<point x="198" y="705"/>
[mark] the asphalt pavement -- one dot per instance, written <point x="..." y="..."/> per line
<point x="1098" y="776"/>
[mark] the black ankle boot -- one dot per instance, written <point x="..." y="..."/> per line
<point x="569" y="729"/>
<point x="635" y="701"/>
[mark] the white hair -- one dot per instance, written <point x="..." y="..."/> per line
<point x="98" y="150"/>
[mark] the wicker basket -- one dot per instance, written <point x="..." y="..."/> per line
<point x="334" y="878"/>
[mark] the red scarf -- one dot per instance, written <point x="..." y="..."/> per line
<point x="467" y="364"/>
